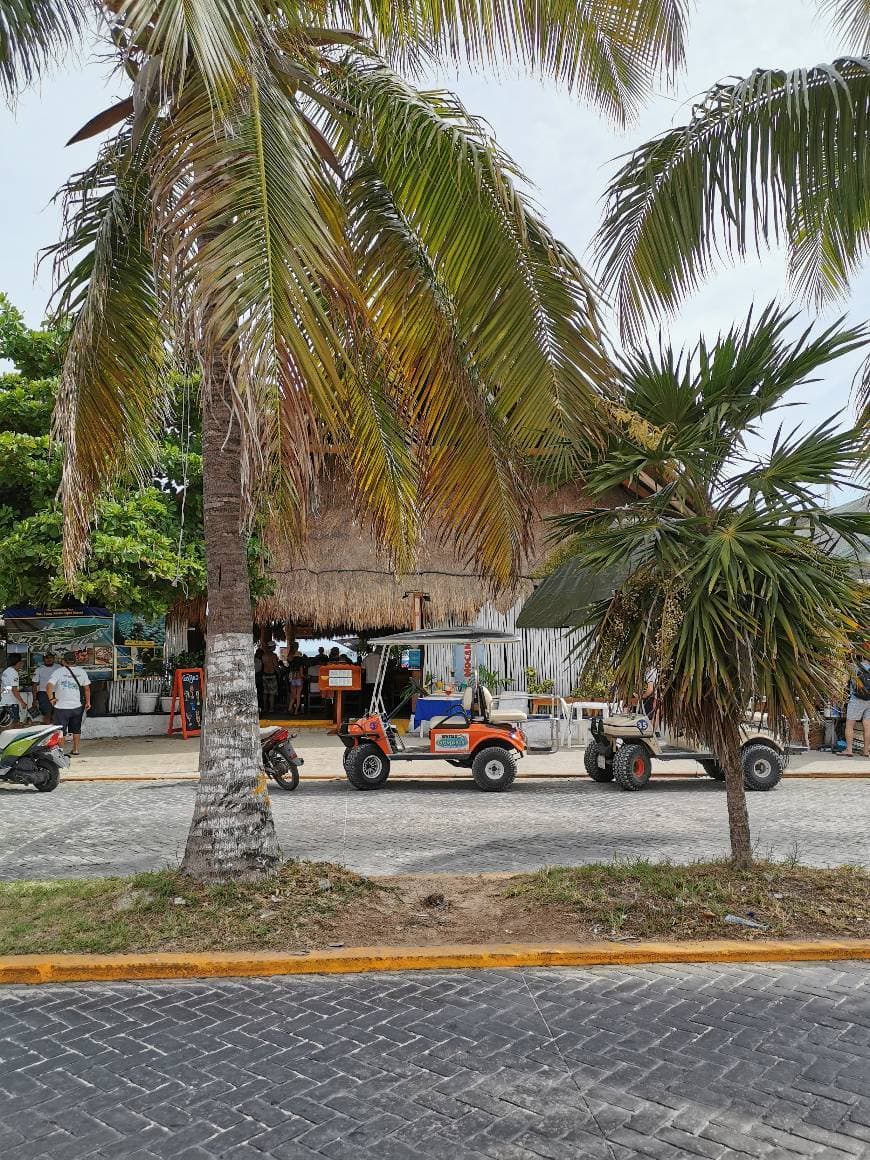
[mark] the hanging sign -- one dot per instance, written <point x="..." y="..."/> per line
<point x="188" y="690"/>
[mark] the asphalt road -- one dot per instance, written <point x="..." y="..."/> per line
<point x="91" y="828"/>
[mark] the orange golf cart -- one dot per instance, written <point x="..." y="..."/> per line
<point x="472" y="734"/>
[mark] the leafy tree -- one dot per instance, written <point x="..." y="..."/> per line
<point x="356" y="268"/>
<point x="134" y="563"/>
<point x="714" y="580"/>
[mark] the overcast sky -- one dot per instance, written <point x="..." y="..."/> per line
<point x="566" y="149"/>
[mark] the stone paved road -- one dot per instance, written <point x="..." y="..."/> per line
<point x="670" y="1062"/>
<point x="98" y="829"/>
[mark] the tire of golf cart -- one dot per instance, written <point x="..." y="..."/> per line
<point x="494" y="769"/>
<point x="632" y="766"/>
<point x="590" y="762"/>
<point x="713" y="769"/>
<point x="282" y="770"/>
<point x="50" y="776"/>
<point x="762" y="767"/>
<point x="367" y="767"/>
<point x="348" y="750"/>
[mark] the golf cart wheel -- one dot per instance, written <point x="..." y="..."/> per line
<point x="632" y="766"/>
<point x="713" y="769"/>
<point x="367" y="767"/>
<point x="762" y="767"/>
<point x="346" y="755"/>
<point x="494" y="769"/>
<point x="49" y="776"/>
<point x="590" y="761"/>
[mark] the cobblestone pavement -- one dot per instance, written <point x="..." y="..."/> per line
<point x="98" y="829"/>
<point x="664" y="1062"/>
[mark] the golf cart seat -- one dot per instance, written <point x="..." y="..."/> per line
<point x="499" y="716"/>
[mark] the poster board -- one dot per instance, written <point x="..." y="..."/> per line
<point x="88" y="632"/>
<point x="188" y="694"/>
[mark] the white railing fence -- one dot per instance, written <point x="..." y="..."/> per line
<point x="123" y="694"/>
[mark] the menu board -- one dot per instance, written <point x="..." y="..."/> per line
<point x="188" y="690"/>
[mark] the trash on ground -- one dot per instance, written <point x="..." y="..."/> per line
<point x="738" y="920"/>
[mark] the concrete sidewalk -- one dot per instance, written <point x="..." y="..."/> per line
<point x="171" y="758"/>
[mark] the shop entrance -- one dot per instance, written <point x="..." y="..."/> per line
<point x="315" y="675"/>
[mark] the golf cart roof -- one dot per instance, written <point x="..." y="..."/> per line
<point x="469" y="634"/>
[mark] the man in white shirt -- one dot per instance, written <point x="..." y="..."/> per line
<point x="40" y="681"/>
<point x="10" y="697"/>
<point x="69" y="690"/>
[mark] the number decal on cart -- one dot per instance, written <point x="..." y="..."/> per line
<point x="451" y="742"/>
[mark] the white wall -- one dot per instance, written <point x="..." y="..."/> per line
<point x="543" y="649"/>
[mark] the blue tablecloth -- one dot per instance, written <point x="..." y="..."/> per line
<point x="435" y="707"/>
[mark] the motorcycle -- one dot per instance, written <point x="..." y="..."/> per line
<point x="280" y="759"/>
<point x="31" y="754"/>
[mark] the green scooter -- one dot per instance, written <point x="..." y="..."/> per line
<point x="31" y="754"/>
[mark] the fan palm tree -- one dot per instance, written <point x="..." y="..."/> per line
<point x="719" y="586"/>
<point x="775" y="157"/>
<point x="357" y="271"/>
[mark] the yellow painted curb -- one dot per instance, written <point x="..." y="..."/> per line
<point x="818" y="775"/>
<point x="354" y="960"/>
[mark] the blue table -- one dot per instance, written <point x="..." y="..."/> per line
<point x="429" y="708"/>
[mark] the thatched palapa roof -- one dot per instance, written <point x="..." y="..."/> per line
<point x="343" y="580"/>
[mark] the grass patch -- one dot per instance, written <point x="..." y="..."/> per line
<point x="651" y="900"/>
<point x="166" y="911"/>
<point x="307" y="905"/>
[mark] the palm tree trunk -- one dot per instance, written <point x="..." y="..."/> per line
<point x="232" y="835"/>
<point x="735" y="794"/>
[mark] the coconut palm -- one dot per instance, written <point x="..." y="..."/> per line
<point x="776" y="157"/>
<point x="356" y="269"/>
<point x="718" y="584"/>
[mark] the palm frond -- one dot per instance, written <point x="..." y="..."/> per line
<point x="798" y="465"/>
<point x="607" y="51"/>
<point x="112" y="391"/>
<point x="773" y="157"/>
<point x="470" y="483"/>
<point x="524" y="308"/>
<point x="852" y="18"/>
<point x="250" y="235"/>
<point x="33" y="33"/>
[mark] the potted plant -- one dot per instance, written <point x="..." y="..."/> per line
<point x="147" y="697"/>
<point x="166" y="693"/>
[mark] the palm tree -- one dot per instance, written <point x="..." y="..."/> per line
<point x="356" y="269"/>
<point x="776" y="157"/>
<point x="713" y="579"/>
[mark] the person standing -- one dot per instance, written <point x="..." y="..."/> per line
<point x="40" y="686"/>
<point x="271" y="667"/>
<point x="69" y="690"/>
<point x="297" y="680"/>
<point x="11" y="698"/>
<point x="858" y="707"/>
